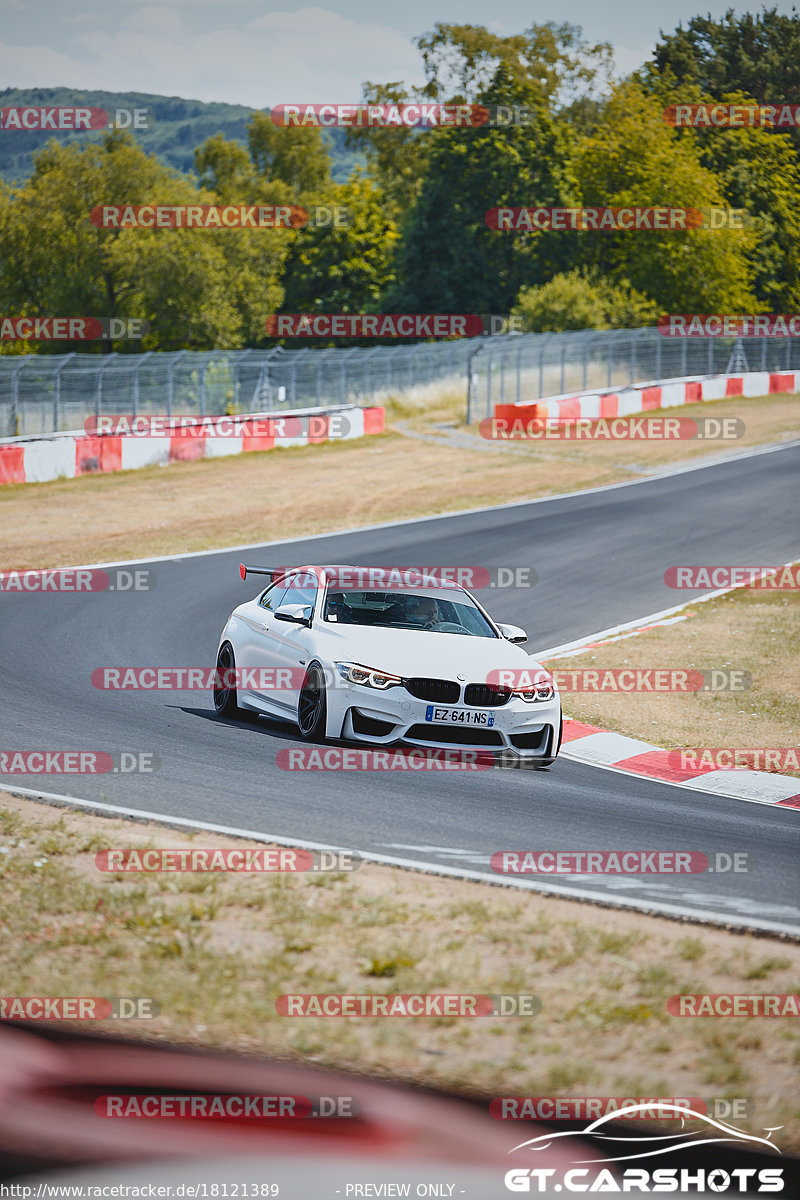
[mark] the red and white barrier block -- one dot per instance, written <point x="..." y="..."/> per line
<point x="601" y="748"/>
<point x="63" y="456"/>
<point x="642" y="397"/>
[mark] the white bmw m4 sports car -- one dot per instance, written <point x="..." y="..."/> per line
<point x="424" y="665"/>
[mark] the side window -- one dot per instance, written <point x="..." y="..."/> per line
<point x="273" y="596"/>
<point x="300" y="595"/>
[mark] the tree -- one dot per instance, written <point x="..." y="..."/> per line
<point x="633" y="159"/>
<point x="450" y="260"/>
<point x="579" y="300"/>
<point x="297" y="156"/>
<point x="756" y="54"/>
<point x="195" y="287"/>
<point x="343" y="270"/>
<point x="759" y="172"/>
<point x="224" y="167"/>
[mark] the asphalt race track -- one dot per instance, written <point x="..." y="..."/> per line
<point x="600" y="558"/>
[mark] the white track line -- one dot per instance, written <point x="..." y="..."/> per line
<point x="642" y="622"/>
<point x="655" y="908"/>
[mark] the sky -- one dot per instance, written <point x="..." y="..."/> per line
<point x="265" y="52"/>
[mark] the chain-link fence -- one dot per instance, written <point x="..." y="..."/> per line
<point x="41" y="394"/>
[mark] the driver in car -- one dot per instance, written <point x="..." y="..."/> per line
<point x="427" y="612"/>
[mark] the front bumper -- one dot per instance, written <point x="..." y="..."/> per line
<point x="384" y="718"/>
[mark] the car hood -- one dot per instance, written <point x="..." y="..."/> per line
<point x="422" y="652"/>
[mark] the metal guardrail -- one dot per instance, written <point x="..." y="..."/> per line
<point x="50" y="393"/>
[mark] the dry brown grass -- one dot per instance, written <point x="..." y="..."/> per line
<point x="215" y="951"/>
<point x="308" y="490"/>
<point x="749" y="630"/>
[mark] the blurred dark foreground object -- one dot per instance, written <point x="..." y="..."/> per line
<point x="398" y="1141"/>
<point x="51" y="1077"/>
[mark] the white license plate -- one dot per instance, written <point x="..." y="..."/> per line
<point x="458" y="716"/>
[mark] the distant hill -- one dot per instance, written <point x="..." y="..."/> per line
<point x="176" y="127"/>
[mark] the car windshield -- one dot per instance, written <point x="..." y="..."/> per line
<point x="408" y="610"/>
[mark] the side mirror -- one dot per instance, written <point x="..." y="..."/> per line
<point x="513" y="633"/>
<point x="298" y="614"/>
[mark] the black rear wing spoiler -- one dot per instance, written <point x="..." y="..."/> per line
<point x="273" y="572"/>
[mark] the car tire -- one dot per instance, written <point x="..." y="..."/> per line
<point x="312" y="705"/>
<point x="226" y="699"/>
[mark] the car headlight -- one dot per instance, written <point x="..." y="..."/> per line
<point x="367" y="676"/>
<point x="536" y="693"/>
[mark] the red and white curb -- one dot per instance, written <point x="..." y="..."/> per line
<point x="601" y="748"/>
<point x="66" y="455"/>
<point x="607" y="403"/>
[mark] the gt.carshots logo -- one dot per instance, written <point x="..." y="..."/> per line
<point x="78" y="579"/>
<point x="218" y="216"/>
<point x="65" y="118"/>
<point x="785" y="578"/>
<point x="655" y="680"/>
<point x="614" y="429"/>
<point x="619" y="1146"/>
<point x="391" y="325"/>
